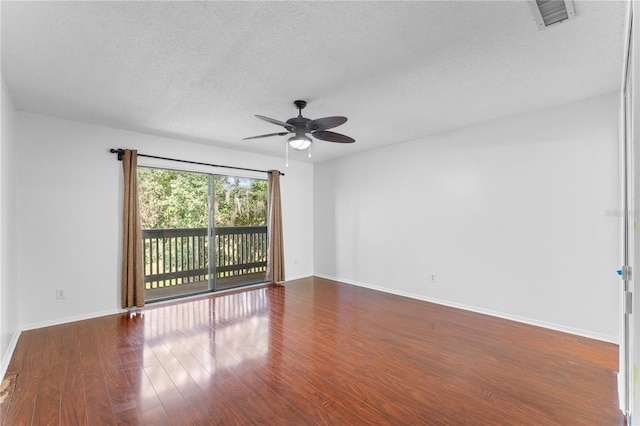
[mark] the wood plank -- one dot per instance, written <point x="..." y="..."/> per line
<point x="7" y="387"/>
<point x="47" y="407"/>
<point x="175" y="406"/>
<point x="28" y="377"/>
<point x="97" y="400"/>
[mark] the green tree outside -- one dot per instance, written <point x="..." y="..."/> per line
<point x="172" y="199"/>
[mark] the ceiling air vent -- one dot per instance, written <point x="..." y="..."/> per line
<point x="549" y="12"/>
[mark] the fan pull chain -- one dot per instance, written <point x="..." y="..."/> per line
<point x="310" y="150"/>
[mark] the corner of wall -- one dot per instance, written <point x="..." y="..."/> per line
<point x="6" y="359"/>
<point x="8" y="236"/>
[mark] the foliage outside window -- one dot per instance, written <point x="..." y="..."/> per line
<point x="172" y="199"/>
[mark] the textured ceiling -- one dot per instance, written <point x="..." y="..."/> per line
<point x="199" y="71"/>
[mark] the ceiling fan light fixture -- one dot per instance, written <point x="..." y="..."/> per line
<point x="299" y="143"/>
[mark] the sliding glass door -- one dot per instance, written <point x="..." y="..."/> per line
<point x="201" y="232"/>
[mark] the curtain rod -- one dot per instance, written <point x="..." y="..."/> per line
<point x="120" y="153"/>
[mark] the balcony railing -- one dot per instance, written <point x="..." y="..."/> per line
<point x="173" y="257"/>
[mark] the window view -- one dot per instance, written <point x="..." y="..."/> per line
<point x="201" y="232"/>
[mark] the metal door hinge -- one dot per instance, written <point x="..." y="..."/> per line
<point x="625" y="273"/>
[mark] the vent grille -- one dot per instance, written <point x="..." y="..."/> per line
<point x="549" y="12"/>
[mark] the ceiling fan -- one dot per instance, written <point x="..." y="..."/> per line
<point x="300" y="126"/>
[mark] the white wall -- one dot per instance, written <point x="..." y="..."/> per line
<point x="69" y="212"/>
<point x="8" y="236"/>
<point x="510" y="215"/>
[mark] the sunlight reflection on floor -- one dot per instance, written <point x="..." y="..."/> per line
<point x="226" y="330"/>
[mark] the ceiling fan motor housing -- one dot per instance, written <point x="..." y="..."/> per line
<point x="300" y="124"/>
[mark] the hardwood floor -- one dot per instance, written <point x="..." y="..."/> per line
<point x="310" y="352"/>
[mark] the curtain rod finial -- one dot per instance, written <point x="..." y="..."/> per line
<point x="119" y="151"/>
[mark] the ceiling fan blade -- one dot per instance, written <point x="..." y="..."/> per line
<point x="325" y="123"/>
<point x="276" y="122"/>
<point x="266" y="136"/>
<point x="332" y="137"/>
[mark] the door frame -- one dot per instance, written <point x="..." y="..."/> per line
<point x="630" y="243"/>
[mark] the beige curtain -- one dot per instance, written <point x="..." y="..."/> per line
<point x="132" y="278"/>
<point x="275" y="259"/>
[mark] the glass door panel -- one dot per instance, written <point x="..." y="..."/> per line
<point x="174" y="210"/>
<point x="240" y="231"/>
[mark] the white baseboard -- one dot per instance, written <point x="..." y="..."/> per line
<point x="557" y="327"/>
<point x="8" y="354"/>
<point x="74" y="318"/>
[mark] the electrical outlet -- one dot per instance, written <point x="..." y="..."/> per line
<point x="60" y="293"/>
<point x="432" y="275"/>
